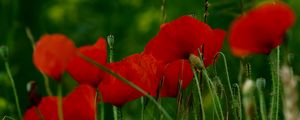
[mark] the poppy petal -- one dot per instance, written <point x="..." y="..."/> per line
<point x="175" y="73"/>
<point x="52" y="54"/>
<point x="260" y="29"/>
<point x="211" y="48"/>
<point x="47" y="109"/>
<point x="78" y="105"/>
<point x="83" y="71"/>
<point x="140" y="69"/>
<point x="182" y="37"/>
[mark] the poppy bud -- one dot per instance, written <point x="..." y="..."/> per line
<point x="261" y="83"/>
<point x="110" y="41"/>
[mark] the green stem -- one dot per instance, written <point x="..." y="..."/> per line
<point x="229" y="84"/>
<point x="199" y="92"/>
<point x="239" y="101"/>
<point x="275" y="62"/>
<point x="163" y="10"/>
<point x="95" y="101"/>
<point x="102" y="111"/>
<point x="119" y="77"/>
<point x="205" y="10"/>
<point x="102" y="107"/>
<point x="30" y="37"/>
<point x="241" y="73"/>
<point x="242" y="6"/>
<point x="115" y="111"/>
<point x="46" y="80"/>
<point x="198" y="62"/>
<point x="8" y="117"/>
<point x="39" y="113"/>
<point x="262" y="104"/>
<point x="227" y="75"/>
<point x="47" y="86"/>
<point x="143" y="106"/>
<point x="110" y="40"/>
<point x="120" y="115"/>
<point x="216" y="100"/>
<point x="14" y="89"/>
<point x="59" y="102"/>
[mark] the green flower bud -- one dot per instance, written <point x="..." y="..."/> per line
<point x="110" y="41"/>
<point x="261" y="83"/>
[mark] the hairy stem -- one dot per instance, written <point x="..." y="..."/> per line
<point x="14" y="90"/>
<point x="275" y="62"/>
<point x="199" y="92"/>
<point x="198" y="62"/>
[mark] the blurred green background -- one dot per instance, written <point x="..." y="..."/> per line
<point x="132" y="22"/>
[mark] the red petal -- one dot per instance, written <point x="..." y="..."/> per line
<point x="180" y="38"/>
<point x="261" y="29"/>
<point x="78" y="105"/>
<point x="175" y="72"/>
<point x="101" y="44"/>
<point x="83" y="71"/>
<point x="139" y="69"/>
<point x="52" y="54"/>
<point x="211" y="48"/>
<point x="47" y="109"/>
<point x="30" y="114"/>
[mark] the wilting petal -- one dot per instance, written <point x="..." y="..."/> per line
<point x="260" y="29"/>
<point x="52" y="54"/>
<point x="83" y="71"/>
<point x="175" y="73"/>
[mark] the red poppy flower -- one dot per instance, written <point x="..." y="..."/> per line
<point x="78" y="105"/>
<point x="83" y="71"/>
<point x="52" y="54"/>
<point x="260" y="29"/>
<point x="47" y="109"/>
<point x="140" y="69"/>
<point x="211" y="48"/>
<point x="151" y="68"/>
<point x="176" y="72"/>
<point x="182" y="37"/>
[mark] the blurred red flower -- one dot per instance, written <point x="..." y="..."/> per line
<point x="46" y="109"/>
<point x="140" y="69"/>
<point x="173" y="45"/>
<point x="182" y="37"/>
<point x="83" y="71"/>
<point x="52" y="54"/>
<point x="176" y="72"/>
<point x="78" y="105"/>
<point x="260" y="29"/>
